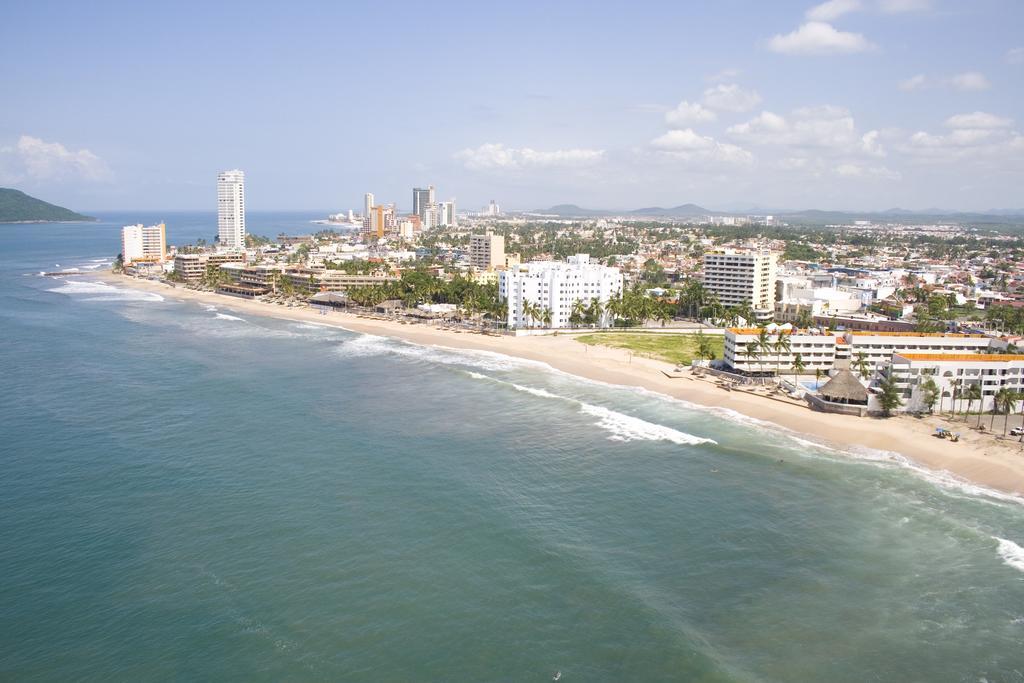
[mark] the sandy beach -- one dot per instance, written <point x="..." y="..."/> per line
<point x="976" y="458"/>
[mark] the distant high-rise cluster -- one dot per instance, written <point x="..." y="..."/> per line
<point x="381" y="220"/>
<point x="492" y="209"/>
<point x="231" y="210"/>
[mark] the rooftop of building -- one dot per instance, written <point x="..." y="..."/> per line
<point x="959" y="357"/>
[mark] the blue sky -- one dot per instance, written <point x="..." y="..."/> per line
<point x="850" y="104"/>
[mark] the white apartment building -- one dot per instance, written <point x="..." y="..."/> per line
<point x="743" y="275"/>
<point x="557" y="286"/>
<point x="487" y="252"/>
<point x="143" y="243"/>
<point x="822" y="349"/>
<point x="367" y="205"/>
<point x="231" y="210"/>
<point x="446" y="214"/>
<point x="991" y="371"/>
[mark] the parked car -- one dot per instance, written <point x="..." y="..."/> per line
<point x="1017" y="431"/>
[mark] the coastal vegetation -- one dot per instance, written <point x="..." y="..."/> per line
<point x="18" y="207"/>
<point x="679" y="349"/>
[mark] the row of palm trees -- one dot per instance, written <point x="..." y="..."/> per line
<point x="766" y="345"/>
<point x="1004" y="401"/>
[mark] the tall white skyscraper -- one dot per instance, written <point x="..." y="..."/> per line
<point x="367" y="205"/>
<point x="231" y="209"/>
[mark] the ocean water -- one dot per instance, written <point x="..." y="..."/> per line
<point x="190" y="493"/>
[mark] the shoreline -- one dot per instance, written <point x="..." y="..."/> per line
<point x="975" y="459"/>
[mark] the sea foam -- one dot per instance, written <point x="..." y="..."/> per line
<point x="100" y="291"/>
<point x="1012" y="554"/>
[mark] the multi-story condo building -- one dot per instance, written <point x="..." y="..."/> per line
<point x="143" y="243"/>
<point x="422" y="200"/>
<point x="231" y="210"/>
<point x="367" y="206"/>
<point x="190" y="267"/>
<point x="446" y="214"/>
<point x="738" y="276"/>
<point x="954" y="374"/>
<point x="555" y="287"/>
<point x="487" y="252"/>
<point x="824" y="349"/>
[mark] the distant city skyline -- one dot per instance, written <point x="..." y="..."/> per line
<point x="843" y="105"/>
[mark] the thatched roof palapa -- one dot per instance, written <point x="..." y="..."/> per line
<point x="844" y="387"/>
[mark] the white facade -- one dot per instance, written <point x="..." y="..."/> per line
<point x="231" y="210"/>
<point x="820" y="349"/>
<point x="991" y="372"/>
<point x="143" y="243"/>
<point x="446" y="214"/>
<point x="742" y="276"/>
<point x="557" y="286"/>
<point x="367" y="205"/>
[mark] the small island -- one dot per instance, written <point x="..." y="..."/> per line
<point x="18" y="207"/>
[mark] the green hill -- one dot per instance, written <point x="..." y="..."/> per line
<point x="18" y="207"/>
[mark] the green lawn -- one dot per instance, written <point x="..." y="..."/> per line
<point x="679" y="349"/>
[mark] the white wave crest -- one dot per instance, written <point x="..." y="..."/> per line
<point x="621" y="426"/>
<point x="362" y="346"/>
<point x="1012" y="554"/>
<point x="628" y="428"/>
<point x="225" y="316"/>
<point x="100" y="291"/>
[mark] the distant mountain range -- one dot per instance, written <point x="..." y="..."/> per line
<point x="18" y="207"/>
<point x="803" y="216"/>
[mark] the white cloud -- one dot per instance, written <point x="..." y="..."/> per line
<point x="870" y="144"/>
<point x="35" y="159"/>
<point x="914" y="83"/>
<point x="1015" y="55"/>
<point x="900" y="6"/>
<point x="978" y="119"/>
<point x="970" y="80"/>
<point x="689" y="145"/>
<point x="819" y="38"/>
<point x="723" y="75"/>
<point x="687" y="113"/>
<point x="498" y="156"/>
<point x="832" y="10"/>
<point x="731" y="98"/>
<point x="849" y="170"/>
<point x="825" y="127"/>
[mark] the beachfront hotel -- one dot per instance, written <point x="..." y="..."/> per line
<point x="231" y="210"/>
<point x="955" y="373"/>
<point x="556" y="286"/>
<point x="143" y="243"/>
<point x="825" y="349"/>
<point x="738" y="276"/>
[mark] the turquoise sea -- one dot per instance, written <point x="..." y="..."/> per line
<point x="189" y="493"/>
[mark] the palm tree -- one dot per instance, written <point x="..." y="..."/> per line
<point x="862" y="365"/>
<point x="973" y="394"/>
<point x="1006" y="399"/>
<point x="595" y="312"/>
<point x="578" y="310"/>
<point x="751" y="352"/>
<point x="545" y="316"/>
<point x="781" y="345"/>
<point x="704" y="350"/>
<point x="955" y="383"/>
<point x="817" y="377"/>
<point x="764" y="344"/>
<point x="798" y="367"/>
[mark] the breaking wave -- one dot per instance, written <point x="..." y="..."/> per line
<point x="1012" y="554"/>
<point x="100" y="291"/>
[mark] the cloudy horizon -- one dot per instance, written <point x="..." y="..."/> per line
<point x="846" y="105"/>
